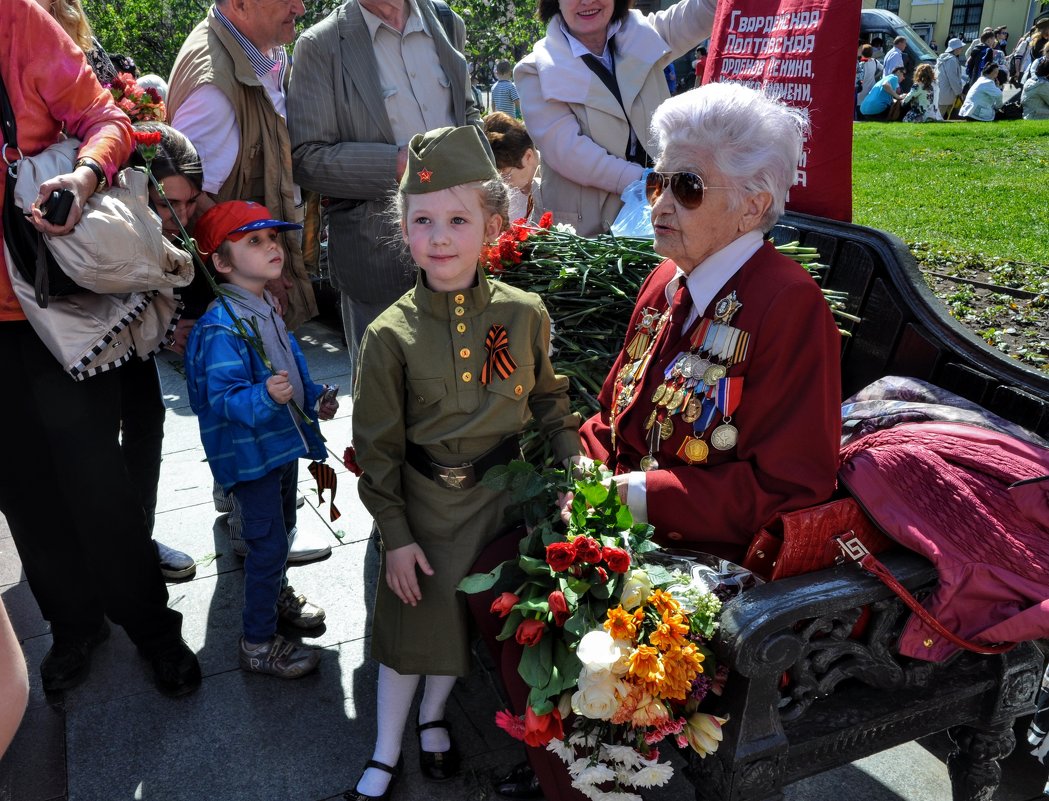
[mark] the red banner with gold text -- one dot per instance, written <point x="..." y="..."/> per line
<point x="802" y="52"/>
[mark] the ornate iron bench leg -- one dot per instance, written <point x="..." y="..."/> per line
<point x="973" y="766"/>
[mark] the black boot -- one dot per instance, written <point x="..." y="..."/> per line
<point x="68" y="661"/>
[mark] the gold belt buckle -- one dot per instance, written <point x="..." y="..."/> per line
<point x="454" y="477"/>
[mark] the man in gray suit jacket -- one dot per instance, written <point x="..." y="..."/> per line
<point x="366" y="79"/>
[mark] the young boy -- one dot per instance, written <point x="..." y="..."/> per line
<point x="252" y="434"/>
<point x="504" y="93"/>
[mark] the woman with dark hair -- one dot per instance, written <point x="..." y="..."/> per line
<point x="984" y="97"/>
<point x="588" y="91"/>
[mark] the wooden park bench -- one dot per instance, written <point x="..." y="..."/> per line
<point x="849" y="698"/>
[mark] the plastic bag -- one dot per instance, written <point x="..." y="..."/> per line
<point x="635" y="218"/>
<point x="708" y="572"/>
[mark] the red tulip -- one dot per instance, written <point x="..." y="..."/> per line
<point x="587" y="549"/>
<point x="560" y="555"/>
<point x="559" y="607"/>
<point x="504" y="604"/>
<point x="617" y="559"/>
<point x="541" y="729"/>
<point x="530" y="632"/>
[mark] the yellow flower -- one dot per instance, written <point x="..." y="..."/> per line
<point x="670" y="633"/>
<point x="636" y="589"/>
<point x="663" y="602"/>
<point x="646" y="669"/>
<point x="620" y="624"/>
<point x="704" y="733"/>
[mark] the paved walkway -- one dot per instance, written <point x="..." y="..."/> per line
<point x="242" y="736"/>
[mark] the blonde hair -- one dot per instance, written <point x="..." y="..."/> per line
<point x="71" y="18"/>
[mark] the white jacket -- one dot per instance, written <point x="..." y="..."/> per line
<point x="949" y="77"/>
<point x="983" y="98"/>
<point x="578" y="125"/>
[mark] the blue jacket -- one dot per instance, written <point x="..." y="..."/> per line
<point x="244" y="433"/>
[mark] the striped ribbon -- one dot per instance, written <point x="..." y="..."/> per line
<point x="324" y="474"/>
<point x="498" y="359"/>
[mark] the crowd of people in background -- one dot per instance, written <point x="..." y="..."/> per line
<point x="978" y="82"/>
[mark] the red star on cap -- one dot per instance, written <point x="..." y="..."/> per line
<point x="425" y="175"/>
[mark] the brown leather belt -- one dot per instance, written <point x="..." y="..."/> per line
<point x="467" y="474"/>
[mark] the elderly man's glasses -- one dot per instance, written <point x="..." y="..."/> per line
<point x="688" y="188"/>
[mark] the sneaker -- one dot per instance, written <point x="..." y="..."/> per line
<point x="297" y="611"/>
<point x="67" y="662"/>
<point x="174" y="565"/>
<point x="307" y="546"/>
<point x="279" y="657"/>
<point x="176" y="670"/>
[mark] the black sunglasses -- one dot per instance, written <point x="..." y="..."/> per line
<point x="688" y="188"/>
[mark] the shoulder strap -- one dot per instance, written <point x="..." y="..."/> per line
<point x="447" y="18"/>
<point x="7" y="117"/>
<point x="635" y="152"/>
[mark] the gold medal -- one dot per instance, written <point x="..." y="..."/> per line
<point x="691" y="411"/>
<point x="679" y="398"/>
<point x="660" y="393"/>
<point x="724" y="437"/>
<point x="696" y="450"/>
<point x="713" y="374"/>
<point x="649" y="463"/>
<point x="651" y="420"/>
<point x="666" y="428"/>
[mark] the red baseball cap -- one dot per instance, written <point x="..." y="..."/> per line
<point x="232" y="220"/>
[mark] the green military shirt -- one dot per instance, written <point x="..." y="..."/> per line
<point x="420" y="380"/>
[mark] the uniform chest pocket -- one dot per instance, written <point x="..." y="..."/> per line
<point x="518" y="386"/>
<point x="425" y="392"/>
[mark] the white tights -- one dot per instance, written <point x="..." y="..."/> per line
<point x="393" y="702"/>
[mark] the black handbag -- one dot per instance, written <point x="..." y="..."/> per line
<point x="27" y="247"/>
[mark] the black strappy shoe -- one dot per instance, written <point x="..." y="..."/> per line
<point x="438" y="766"/>
<point x="355" y="795"/>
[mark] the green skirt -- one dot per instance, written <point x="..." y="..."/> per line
<point x="452" y="527"/>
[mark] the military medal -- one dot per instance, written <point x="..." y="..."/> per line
<point x="727" y="307"/>
<point x="645" y="329"/>
<point x="691" y="411"/>
<point x="729" y="394"/>
<point x="713" y="374"/>
<point x="649" y="463"/>
<point x="724" y="437"/>
<point x="666" y="428"/>
<point x="693" y="450"/>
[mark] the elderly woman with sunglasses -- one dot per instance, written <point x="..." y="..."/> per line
<point x="723" y="409"/>
<point x="588" y="90"/>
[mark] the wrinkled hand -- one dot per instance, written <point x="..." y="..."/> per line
<point x="620" y="484"/>
<point x="400" y="572"/>
<point x="279" y="289"/>
<point x="564" y="503"/>
<point x="578" y="464"/>
<point x="81" y="182"/>
<point x="328" y="408"/>
<point x="180" y="336"/>
<point x="279" y="387"/>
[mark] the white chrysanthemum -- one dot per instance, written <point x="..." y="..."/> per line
<point x="564" y="228"/>
<point x="589" y="790"/>
<point x="654" y="774"/>
<point x="623" y="754"/>
<point x="585" y="773"/>
<point x="583" y="739"/>
<point x="620" y="796"/>
<point x="598" y="651"/>
<point x="565" y="752"/>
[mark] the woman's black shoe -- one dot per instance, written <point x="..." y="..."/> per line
<point x="354" y="795"/>
<point x="520" y="782"/>
<point x="438" y="766"/>
<point x="66" y="664"/>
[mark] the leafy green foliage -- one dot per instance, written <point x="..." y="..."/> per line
<point x="497" y="29"/>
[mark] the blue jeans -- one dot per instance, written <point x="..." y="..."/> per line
<point x="268" y="507"/>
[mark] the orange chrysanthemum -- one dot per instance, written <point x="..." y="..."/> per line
<point x="646" y="668"/>
<point x="621" y="625"/>
<point x="662" y="602"/>
<point x="670" y="633"/>
<point x="681" y="666"/>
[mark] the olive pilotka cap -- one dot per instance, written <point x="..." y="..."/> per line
<point x="446" y="157"/>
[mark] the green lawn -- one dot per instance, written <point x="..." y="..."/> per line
<point x="968" y="189"/>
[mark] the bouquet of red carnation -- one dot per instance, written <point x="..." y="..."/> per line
<point x="141" y="105"/>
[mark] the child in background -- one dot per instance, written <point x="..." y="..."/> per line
<point x="251" y="434"/>
<point x="450" y="374"/>
<point x="504" y="93"/>
<point x="518" y="163"/>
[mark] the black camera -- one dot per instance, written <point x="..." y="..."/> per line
<point x="56" y="208"/>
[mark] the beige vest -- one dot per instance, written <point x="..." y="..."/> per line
<point x="262" y="172"/>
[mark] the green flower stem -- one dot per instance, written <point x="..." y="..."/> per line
<point x="253" y="339"/>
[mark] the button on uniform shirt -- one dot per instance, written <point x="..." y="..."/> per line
<point x="415" y="90"/>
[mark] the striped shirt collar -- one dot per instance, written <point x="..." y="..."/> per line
<point x="262" y="63"/>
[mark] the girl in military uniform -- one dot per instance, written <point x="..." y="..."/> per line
<point x="449" y="376"/>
